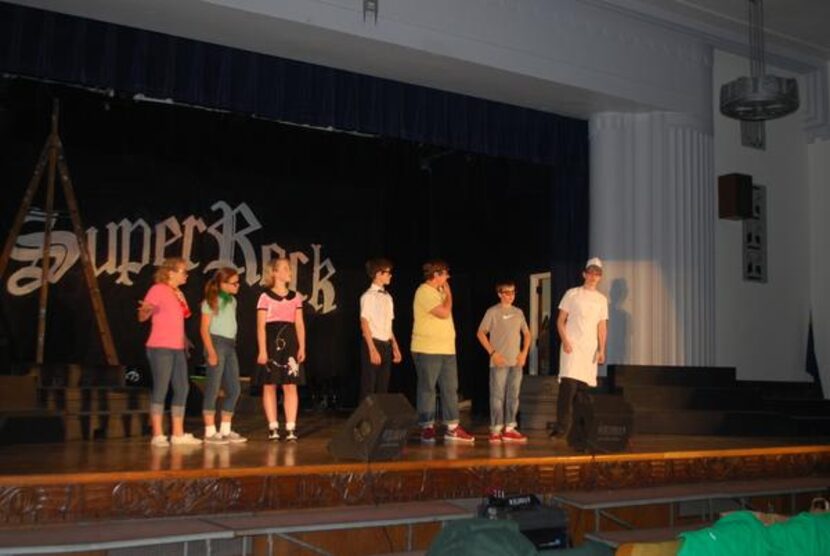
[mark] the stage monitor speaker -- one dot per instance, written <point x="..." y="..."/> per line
<point x="735" y="196"/>
<point x="546" y="526"/>
<point x="601" y="423"/>
<point x="377" y="430"/>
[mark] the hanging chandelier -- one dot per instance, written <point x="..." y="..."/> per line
<point x="761" y="96"/>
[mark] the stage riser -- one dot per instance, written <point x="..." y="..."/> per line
<point x="716" y="423"/>
<point x="681" y="397"/>
<point x="68" y="499"/>
<point x="80" y="403"/>
<point x="811" y="426"/>
<point x="817" y="408"/>
<point x="786" y="390"/>
<point x="709" y="401"/>
<point x="75" y="400"/>
<point x="109" y="426"/>
<point x="30" y="427"/>
<point x="537" y="402"/>
<point x="620" y="376"/>
<point x="72" y="375"/>
<point x="537" y="414"/>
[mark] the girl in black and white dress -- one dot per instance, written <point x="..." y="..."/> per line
<point x="281" y="347"/>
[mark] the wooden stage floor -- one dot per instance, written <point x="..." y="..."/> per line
<point x="76" y="481"/>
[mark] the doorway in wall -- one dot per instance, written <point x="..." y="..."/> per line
<point x="540" y="323"/>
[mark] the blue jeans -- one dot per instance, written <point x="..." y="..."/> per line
<point x="168" y="365"/>
<point x="442" y="370"/>
<point x="505" y="383"/>
<point x="226" y="373"/>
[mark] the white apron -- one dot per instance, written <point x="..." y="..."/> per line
<point x="585" y="308"/>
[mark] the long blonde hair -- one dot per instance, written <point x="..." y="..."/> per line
<point x="168" y="266"/>
<point x="270" y="281"/>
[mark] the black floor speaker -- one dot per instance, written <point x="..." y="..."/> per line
<point x="377" y="430"/>
<point x="601" y="423"/>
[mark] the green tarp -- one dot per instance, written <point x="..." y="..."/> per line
<point x="741" y="533"/>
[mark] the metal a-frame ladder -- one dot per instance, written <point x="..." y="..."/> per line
<point x="52" y="160"/>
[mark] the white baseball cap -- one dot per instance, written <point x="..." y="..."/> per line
<point x="594" y="261"/>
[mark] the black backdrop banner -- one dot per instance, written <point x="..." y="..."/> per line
<point x="128" y="62"/>
<point x="160" y="180"/>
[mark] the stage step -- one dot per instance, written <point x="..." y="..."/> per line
<point x="539" y="387"/>
<point x="18" y="392"/>
<point x="798" y="407"/>
<point x="30" y="426"/>
<point x="76" y="402"/>
<point x="698" y="398"/>
<point x="701" y="422"/>
<point x="74" y="399"/>
<point x="75" y="375"/>
<point x="786" y="390"/>
<point x="537" y="402"/>
<point x="811" y="425"/>
<point x="96" y="426"/>
<point x="620" y="376"/>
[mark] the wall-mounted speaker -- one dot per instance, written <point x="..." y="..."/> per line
<point x="735" y="196"/>
<point x="377" y="430"/>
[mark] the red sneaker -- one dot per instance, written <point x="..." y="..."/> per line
<point x="513" y="436"/>
<point x="428" y="435"/>
<point x="494" y="438"/>
<point x="458" y="434"/>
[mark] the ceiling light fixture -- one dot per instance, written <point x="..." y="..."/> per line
<point x="759" y="97"/>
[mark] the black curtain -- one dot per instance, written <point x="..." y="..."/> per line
<point x="354" y="197"/>
<point x="75" y="50"/>
<point x="458" y="138"/>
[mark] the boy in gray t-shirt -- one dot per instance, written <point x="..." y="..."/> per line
<point x="499" y="334"/>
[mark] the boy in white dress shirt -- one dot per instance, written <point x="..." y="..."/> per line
<point x="379" y="348"/>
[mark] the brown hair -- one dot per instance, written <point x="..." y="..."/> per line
<point x="168" y="266"/>
<point x="373" y="266"/>
<point x="272" y="266"/>
<point x="214" y="286"/>
<point x="505" y="284"/>
<point x="432" y="266"/>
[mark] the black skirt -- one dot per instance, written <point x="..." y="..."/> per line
<point x="282" y="366"/>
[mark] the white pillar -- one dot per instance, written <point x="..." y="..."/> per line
<point x="652" y="221"/>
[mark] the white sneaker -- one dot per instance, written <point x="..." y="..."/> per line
<point x="160" y="441"/>
<point x="234" y="437"/>
<point x="186" y="439"/>
<point x="215" y="439"/>
<point x="290" y="436"/>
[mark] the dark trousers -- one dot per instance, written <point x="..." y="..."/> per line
<point x="374" y="379"/>
<point x="569" y="389"/>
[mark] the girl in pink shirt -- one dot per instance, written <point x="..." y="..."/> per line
<point x="281" y="346"/>
<point x="166" y="306"/>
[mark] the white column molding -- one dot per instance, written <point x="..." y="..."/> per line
<point x="815" y="103"/>
<point x="652" y="221"/>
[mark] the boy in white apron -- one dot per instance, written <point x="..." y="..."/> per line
<point x="583" y="328"/>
